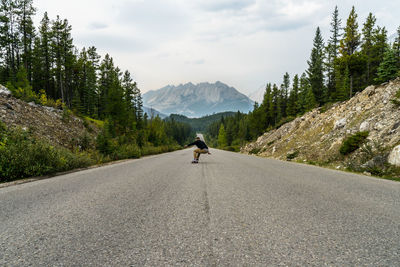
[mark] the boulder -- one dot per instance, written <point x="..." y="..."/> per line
<point x="340" y="123"/>
<point x="376" y="162"/>
<point x="394" y="156"/>
<point x="4" y="91"/>
<point x="364" y="126"/>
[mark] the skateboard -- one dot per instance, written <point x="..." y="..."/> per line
<point x="195" y="161"/>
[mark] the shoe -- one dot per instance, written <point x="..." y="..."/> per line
<point x="195" y="161"/>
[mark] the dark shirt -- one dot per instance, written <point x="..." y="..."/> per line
<point x="200" y="144"/>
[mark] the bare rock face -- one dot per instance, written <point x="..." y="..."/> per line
<point x="317" y="136"/>
<point x="394" y="156"/>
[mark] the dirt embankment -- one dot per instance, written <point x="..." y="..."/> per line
<point x="318" y="135"/>
<point x="55" y="126"/>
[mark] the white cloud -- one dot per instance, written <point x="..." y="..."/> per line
<point x="97" y="26"/>
<point x="244" y="43"/>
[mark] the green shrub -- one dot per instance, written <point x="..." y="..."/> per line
<point x="353" y="142"/>
<point x="232" y="148"/>
<point x="326" y="107"/>
<point x="21" y="155"/>
<point x="152" y="150"/>
<point x="66" y="114"/>
<point x="396" y="100"/>
<point x="85" y="142"/>
<point x="292" y="155"/>
<point x="127" y="151"/>
<point x="255" y="150"/>
<point x="284" y="121"/>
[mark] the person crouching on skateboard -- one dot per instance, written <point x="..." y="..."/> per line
<point x="202" y="148"/>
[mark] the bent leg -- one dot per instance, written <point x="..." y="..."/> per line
<point x="196" y="153"/>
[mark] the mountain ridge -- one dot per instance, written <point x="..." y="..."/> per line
<point x="197" y="100"/>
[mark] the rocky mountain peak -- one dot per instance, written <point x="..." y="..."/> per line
<point x="196" y="100"/>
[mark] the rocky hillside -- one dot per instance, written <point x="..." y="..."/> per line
<point x="55" y="126"/>
<point x="317" y="136"/>
<point x="197" y="100"/>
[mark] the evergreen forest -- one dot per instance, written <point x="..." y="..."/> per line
<point x="354" y="57"/>
<point x="41" y="64"/>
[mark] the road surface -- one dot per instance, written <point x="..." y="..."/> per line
<point x="229" y="210"/>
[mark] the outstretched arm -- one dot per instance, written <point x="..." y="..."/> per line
<point x="191" y="144"/>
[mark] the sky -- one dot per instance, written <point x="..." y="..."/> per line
<point x="243" y="43"/>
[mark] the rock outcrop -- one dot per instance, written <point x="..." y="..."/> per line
<point x="53" y="125"/>
<point x="317" y="136"/>
<point x="394" y="156"/>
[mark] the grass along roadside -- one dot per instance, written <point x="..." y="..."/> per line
<point x="22" y="155"/>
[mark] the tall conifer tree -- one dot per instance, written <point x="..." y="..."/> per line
<point x="388" y="68"/>
<point x="348" y="47"/>
<point x="367" y="44"/>
<point x="26" y="11"/>
<point x="332" y="53"/>
<point x="315" y="69"/>
<point x="351" y="37"/>
<point x="293" y="102"/>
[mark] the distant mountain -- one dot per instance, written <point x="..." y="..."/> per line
<point x="151" y="112"/>
<point x="197" y="100"/>
<point x="258" y="95"/>
<point x="200" y="124"/>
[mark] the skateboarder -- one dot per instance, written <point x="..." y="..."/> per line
<point x="202" y="148"/>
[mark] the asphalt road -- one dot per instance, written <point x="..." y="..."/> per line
<point x="228" y="210"/>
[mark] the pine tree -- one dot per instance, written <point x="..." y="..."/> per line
<point x="244" y="131"/>
<point x="315" y="69"/>
<point x="115" y="107"/>
<point x="332" y="50"/>
<point x="350" y="58"/>
<point x="76" y="103"/>
<point x="388" y="68"/>
<point x="274" y="108"/>
<point x="9" y="39"/>
<point x="129" y="95"/>
<point x="266" y="104"/>
<point x="379" y="48"/>
<point x="285" y="94"/>
<point x="367" y="44"/>
<point x="139" y="107"/>
<point x="351" y="36"/>
<point x="303" y="90"/>
<point x="91" y="82"/>
<point x="105" y="82"/>
<point x="26" y="11"/>
<point x="44" y="59"/>
<point x="310" y="101"/>
<point x="37" y="69"/>
<point x="293" y="102"/>
<point x="343" y="92"/>
<point x="62" y="52"/>
<point x="222" y="141"/>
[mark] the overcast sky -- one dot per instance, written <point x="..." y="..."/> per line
<point x="244" y="43"/>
